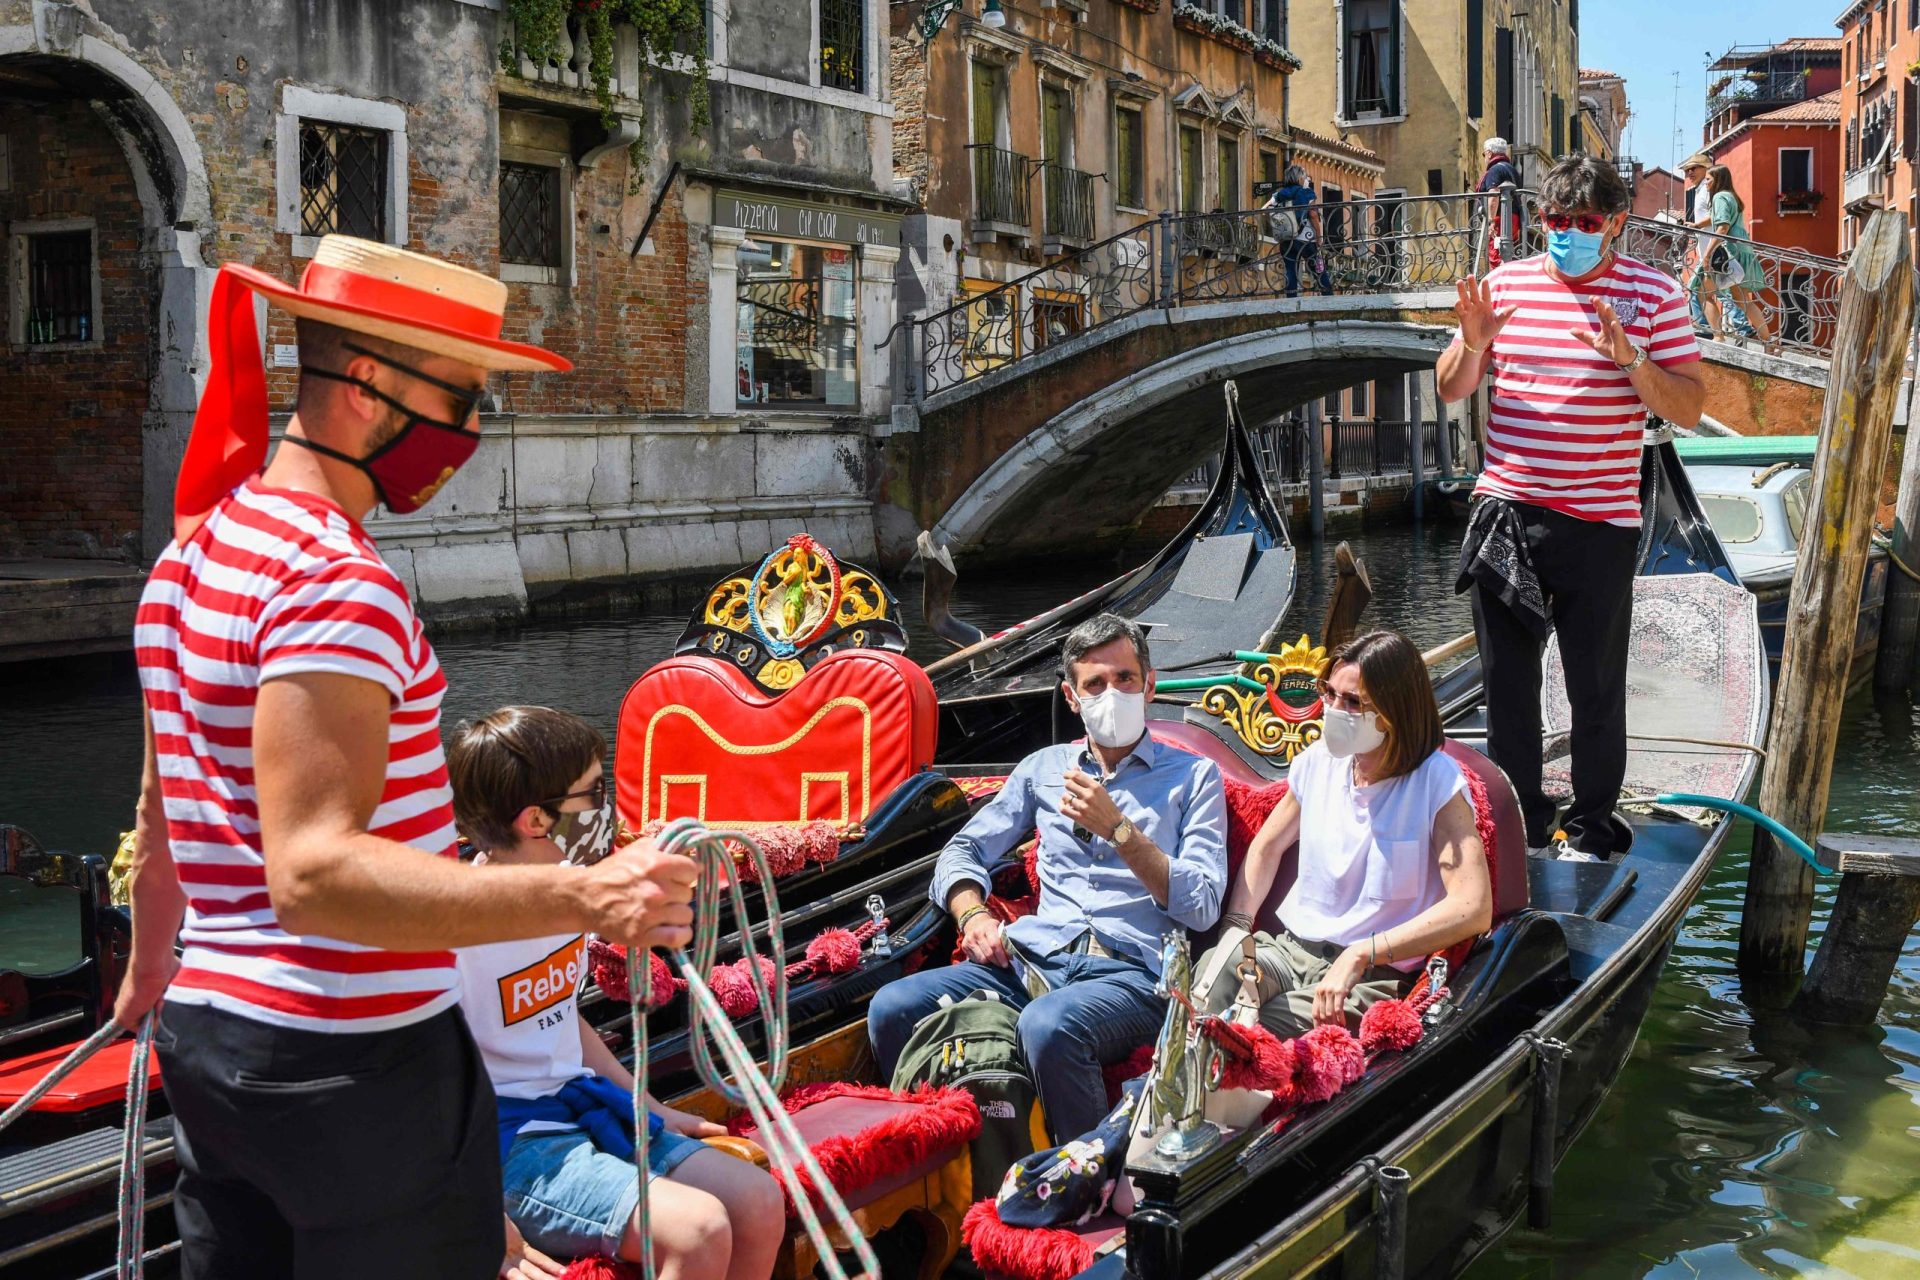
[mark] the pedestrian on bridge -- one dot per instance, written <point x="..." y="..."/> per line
<point x="1582" y="344"/>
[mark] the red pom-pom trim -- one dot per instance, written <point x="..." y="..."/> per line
<point x="595" y="1267"/>
<point x="1031" y="1253"/>
<point x="1390" y="1024"/>
<point x="834" y="951"/>
<point x="939" y="1119"/>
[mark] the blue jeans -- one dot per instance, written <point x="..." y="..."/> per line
<point x="1291" y="253"/>
<point x="1097" y="1011"/>
<point x="571" y="1199"/>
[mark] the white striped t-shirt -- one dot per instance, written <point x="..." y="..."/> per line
<point x="278" y="583"/>
<point x="1564" y="422"/>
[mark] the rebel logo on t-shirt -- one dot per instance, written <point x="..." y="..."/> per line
<point x="544" y="983"/>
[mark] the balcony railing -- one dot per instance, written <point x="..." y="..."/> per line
<point x="1774" y="88"/>
<point x="1863" y="184"/>
<point x="1069" y="203"/>
<point x="1000" y="179"/>
<point x="570" y="63"/>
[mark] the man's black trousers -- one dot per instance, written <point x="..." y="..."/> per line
<point x="305" y="1154"/>
<point x="1586" y="571"/>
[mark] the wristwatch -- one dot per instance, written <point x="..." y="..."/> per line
<point x="1639" y="358"/>
<point x="1122" y="832"/>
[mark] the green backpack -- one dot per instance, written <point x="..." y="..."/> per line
<point x="975" y="1044"/>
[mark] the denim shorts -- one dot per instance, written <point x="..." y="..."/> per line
<point x="571" y="1199"/>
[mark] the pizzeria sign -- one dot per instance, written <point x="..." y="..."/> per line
<point x="802" y="220"/>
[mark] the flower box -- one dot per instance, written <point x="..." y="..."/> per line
<point x="1213" y="26"/>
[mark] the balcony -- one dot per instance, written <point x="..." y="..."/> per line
<point x="1865" y="187"/>
<point x="1069" y="207"/>
<point x="1000" y="181"/>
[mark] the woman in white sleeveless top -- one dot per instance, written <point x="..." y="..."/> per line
<point x="1391" y="868"/>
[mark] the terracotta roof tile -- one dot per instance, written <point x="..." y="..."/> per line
<point x="1590" y="73"/>
<point x="1824" y="109"/>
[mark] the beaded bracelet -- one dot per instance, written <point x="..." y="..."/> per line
<point x="969" y="914"/>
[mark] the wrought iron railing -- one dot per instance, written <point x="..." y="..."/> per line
<point x="1000" y="181"/>
<point x="1069" y="202"/>
<point x="1376" y="448"/>
<point x="1418" y="244"/>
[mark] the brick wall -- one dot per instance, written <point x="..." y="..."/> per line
<point x="70" y="417"/>
<point x="907" y="82"/>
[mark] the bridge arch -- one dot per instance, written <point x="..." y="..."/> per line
<point x="1115" y="451"/>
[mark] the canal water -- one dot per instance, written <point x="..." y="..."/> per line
<point x="1736" y="1143"/>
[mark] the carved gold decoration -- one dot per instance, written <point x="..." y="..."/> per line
<point x="780" y="673"/>
<point x="861" y="599"/>
<point x="1282" y="719"/>
<point x="728" y="605"/>
<point x="793" y="595"/>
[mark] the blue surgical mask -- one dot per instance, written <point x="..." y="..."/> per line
<point x="1575" y="252"/>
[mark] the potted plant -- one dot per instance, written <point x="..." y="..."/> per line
<point x="1800" y="201"/>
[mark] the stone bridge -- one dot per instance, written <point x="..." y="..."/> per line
<point x="1007" y="437"/>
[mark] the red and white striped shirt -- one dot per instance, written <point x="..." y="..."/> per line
<point x="278" y="583"/>
<point x="1564" y="422"/>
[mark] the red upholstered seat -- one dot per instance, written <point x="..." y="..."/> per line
<point x="871" y="1141"/>
<point x="100" y="1081"/>
<point x="699" y="739"/>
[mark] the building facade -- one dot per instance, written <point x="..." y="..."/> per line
<point x="1880" y="141"/>
<point x="707" y="230"/>
<point x="1413" y="82"/>
<point x="1600" y="125"/>
<point x="1021" y="140"/>
<point x="1773" y="118"/>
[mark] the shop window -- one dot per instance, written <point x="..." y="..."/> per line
<point x="530" y="223"/>
<point x="1057" y="316"/>
<point x="56" y="284"/>
<point x="993" y="330"/>
<point x="843" y="44"/>
<point x="798" y="336"/>
<point x="1370" y="57"/>
<point x="343" y="180"/>
<point x="1129" y="181"/>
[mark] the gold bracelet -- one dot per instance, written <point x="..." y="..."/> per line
<point x="1470" y="347"/>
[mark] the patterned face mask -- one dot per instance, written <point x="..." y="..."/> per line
<point x="585" y="837"/>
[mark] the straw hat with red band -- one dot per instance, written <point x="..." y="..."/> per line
<point x="358" y="285"/>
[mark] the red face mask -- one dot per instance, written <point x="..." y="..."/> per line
<point x="408" y="470"/>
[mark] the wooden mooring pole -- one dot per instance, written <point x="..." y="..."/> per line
<point x="1897" y="665"/>
<point x="1876" y="310"/>
<point x="1874" y="911"/>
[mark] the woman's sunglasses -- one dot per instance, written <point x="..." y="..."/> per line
<point x="1589" y="223"/>
<point x="1341" y="701"/>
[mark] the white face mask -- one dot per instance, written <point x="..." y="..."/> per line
<point x="1113" y="718"/>
<point x="585" y="837"/>
<point x="1350" y="733"/>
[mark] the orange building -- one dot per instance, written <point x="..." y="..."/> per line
<point x="1880" y="62"/>
<point x="1774" y="119"/>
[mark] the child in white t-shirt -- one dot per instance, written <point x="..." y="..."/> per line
<point x="529" y="786"/>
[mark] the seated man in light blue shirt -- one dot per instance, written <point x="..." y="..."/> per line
<point x="1132" y="846"/>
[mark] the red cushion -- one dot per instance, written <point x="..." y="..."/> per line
<point x="870" y="1141"/>
<point x="1499" y="816"/>
<point x="1034" y="1253"/>
<point x="100" y="1081"/>
<point x="699" y="739"/>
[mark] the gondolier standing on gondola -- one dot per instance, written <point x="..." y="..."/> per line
<point x="295" y="827"/>
<point x="1582" y="343"/>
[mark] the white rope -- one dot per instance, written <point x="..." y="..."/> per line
<point x="786" y="1150"/>
<point x="130" y="1257"/>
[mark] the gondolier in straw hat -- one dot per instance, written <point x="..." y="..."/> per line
<point x="295" y="827"/>
<point x="1582" y="343"/>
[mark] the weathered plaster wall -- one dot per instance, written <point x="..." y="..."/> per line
<point x="770" y="38"/>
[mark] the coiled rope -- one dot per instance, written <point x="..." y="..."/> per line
<point x="130" y="1258"/>
<point x="709" y="1029"/>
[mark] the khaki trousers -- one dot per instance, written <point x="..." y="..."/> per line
<point x="1290" y="968"/>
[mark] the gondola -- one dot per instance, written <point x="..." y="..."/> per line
<point x="1223" y="583"/>
<point x="1414" y="1168"/>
